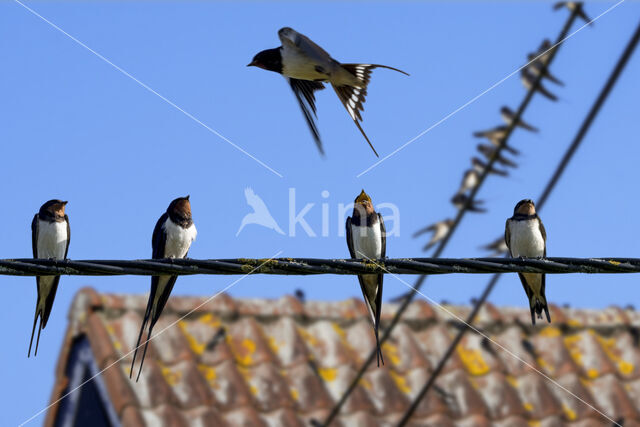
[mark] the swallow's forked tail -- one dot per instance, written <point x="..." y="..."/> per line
<point x="379" y="353"/>
<point x="538" y="304"/>
<point x="147" y="314"/>
<point x="35" y="319"/>
<point x="353" y="97"/>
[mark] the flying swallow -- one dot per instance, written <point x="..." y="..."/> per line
<point x="495" y="136"/>
<point x="460" y="200"/>
<point x="469" y="180"/>
<point x="172" y="237"/>
<point x="488" y="150"/>
<point x="573" y="6"/>
<point x="526" y="238"/>
<point x="480" y="166"/>
<point x="307" y="66"/>
<point x="527" y="80"/>
<point x="497" y="247"/>
<point x="439" y="229"/>
<point x="366" y="239"/>
<point x="50" y="237"/>
<point x="508" y="115"/>
<point x="537" y="67"/>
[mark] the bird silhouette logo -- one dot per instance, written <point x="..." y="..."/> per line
<point x="260" y="214"/>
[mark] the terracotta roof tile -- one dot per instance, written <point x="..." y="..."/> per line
<point x="283" y="362"/>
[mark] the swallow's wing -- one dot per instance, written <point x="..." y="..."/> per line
<point x="383" y="233"/>
<point x="304" y="92"/>
<point x="303" y="44"/>
<point x="544" y="235"/>
<point x="66" y="249"/>
<point x="507" y="237"/>
<point x="159" y="238"/>
<point x="34" y="236"/>
<point x="350" y="238"/>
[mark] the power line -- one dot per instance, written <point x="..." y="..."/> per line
<point x="551" y="52"/>
<point x="622" y="62"/>
<point x="314" y="266"/>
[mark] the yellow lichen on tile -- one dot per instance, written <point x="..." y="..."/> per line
<point x="365" y="383"/>
<point x="209" y="374"/>
<point x="534" y="423"/>
<point x="391" y="352"/>
<point x="309" y="339"/>
<point x="550" y="332"/>
<point x="571" y="343"/>
<point x="114" y="338"/>
<point x="574" y="323"/>
<point x="210" y="320"/>
<point x="473" y="360"/>
<point x="273" y="345"/>
<point x="625" y="367"/>
<point x="528" y="406"/>
<point x="543" y="364"/>
<point x="512" y="380"/>
<point x="170" y="376"/>
<point x="195" y="346"/>
<point x="593" y="373"/>
<point x="569" y="413"/>
<point x="401" y="382"/>
<point x="341" y="333"/>
<point x="328" y="374"/>
<point x="294" y="394"/>
<point x="608" y="345"/>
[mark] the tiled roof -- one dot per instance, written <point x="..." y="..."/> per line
<point x="283" y="363"/>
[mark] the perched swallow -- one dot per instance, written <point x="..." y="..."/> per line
<point x="50" y="237"/>
<point x="537" y="67"/>
<point x="440" y="230"/>
<point x="508" y="115"/>
<point x="470" y="180"/>
<point x="460" y="200"/>
<point x="497" y="247"/>
<point x="307" y="66"/>
<point x="573" y="6"/>
<point x="544" y="51"/>
<point x="488" y="150"/>
<point x="525" y="237"/>
<point x="495" y="136"/>
<point x="527" y="80"/>
<point x="172" y="237"/>
<point x="366" y="239"/>
<point x="480" y="166"/>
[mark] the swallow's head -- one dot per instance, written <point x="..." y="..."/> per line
<point x="180" y="209"/>
<point x="54" y="208"/>
<point x="525" y="207"/>
<point x="270" y="60"/>
<point x="363" y="203"/>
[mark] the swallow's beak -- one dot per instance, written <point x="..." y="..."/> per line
<point x="187" y="197"/>
<point x="252" y="64"/>
<point x="65" y="202"/>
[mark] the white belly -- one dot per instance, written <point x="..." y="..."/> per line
<point x="52" y="239"/>
<point x="178" y="239"/>
<point x="526" y="239"/>
<point x="367" y="241"/>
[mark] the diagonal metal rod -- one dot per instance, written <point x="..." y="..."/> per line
<point x="541" y="202"/>
<point x="420" y="281"/>
<point x="313" y="266"/>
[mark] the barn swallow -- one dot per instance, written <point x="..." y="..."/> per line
<point x="440" y="230"/>
<point x="508" y="115"/>
<point x="366" y="239"/>
<point x="495" y="136"/>
<point x="172" y="237"/>
<point x="544" y="51"/>
<point x="307" y="66"/>
<point x="469" y="180"/>
<point x="488" y="150"/>
<point x="50" y="237"/>
<point x="537" y="67"/>
<point x="459" y="201"/>
<point x="526" y="238"/>
<point x="480" y="166"/>
<point x="497" y="247"/>
<point x="573" y="6"/>
<point x="527" y="80"/>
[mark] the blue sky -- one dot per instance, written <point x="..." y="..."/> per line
<point x="74" y="127"/>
